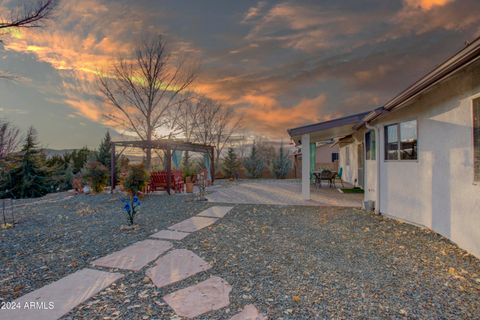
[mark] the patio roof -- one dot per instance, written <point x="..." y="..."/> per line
<point x="336" y="128"/>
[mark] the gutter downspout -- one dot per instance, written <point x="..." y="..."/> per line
<point x="377" y="157"/>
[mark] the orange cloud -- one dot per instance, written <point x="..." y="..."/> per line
<point x="264" y="114"/>
<point x="427" y="4"/>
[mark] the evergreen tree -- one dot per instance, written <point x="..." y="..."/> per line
<point x="254" y="164"/>
<point x="231" y="164"/>
<point x="281" y="165"/>
<point x="79" y="158"/>
<point x="28" y="178"/>
<point x="104" y="153"/>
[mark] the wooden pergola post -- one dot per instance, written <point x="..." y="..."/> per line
<point x="212" y="164"/>
<point x="169" y="168"/>
<point x="112" y="168"/>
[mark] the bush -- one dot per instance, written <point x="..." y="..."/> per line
<point x="231" y="164"/>
<point x="136" y="179"/>
<point x="96" y="174"/>
<point x="254" y="164"/>
<point x="281" y="165"/>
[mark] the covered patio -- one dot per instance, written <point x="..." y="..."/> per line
<point x="281" y="192"/>
<point x="307" y="137"/>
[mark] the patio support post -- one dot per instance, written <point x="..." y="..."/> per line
<point x="112" y="168"/>
<point x="306" y="166"/>
<point x="169" y="168"/>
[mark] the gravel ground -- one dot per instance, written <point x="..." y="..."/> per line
<point x="64" y="234"/>
<point x="292" y="262"/>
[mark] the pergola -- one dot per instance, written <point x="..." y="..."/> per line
<point x="168" y="146"/>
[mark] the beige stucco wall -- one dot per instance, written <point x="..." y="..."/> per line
<point x="437" y="190"/>
<point x="324" y="157"/>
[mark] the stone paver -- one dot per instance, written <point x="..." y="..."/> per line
<point x="282" y="192"/>
<point x="211" y="294"/>
<point x="193" y="224"/>
<point x="176" y="265"/>
<point x="61" y="296"/>
<point x="136" y="256"/>
<point x="215" y="212"/>
<point x="170" y="235"/>
<point x="249" y="312"/>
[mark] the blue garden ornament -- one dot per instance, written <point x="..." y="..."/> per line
<point x="130" y="206"/>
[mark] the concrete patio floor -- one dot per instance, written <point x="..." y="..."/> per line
<point x="280" y="192"/>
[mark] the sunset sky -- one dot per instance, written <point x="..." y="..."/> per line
<point x="278" y="63"/>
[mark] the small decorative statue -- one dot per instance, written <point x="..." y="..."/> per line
<point x="130" y="206"/>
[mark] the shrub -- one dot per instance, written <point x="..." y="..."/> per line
<point x="281" y="165"/>
<point x="254" y="164"/>
<point x="96" y="174"/>
<point x="231" y="164"/>
<point x="136" y="179"/>
<point x="189" y="171"/>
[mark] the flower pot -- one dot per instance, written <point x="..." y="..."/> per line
<point x="189" y="187"/>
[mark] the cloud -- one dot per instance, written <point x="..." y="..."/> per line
<point x="273" y="119"/>
<point x="426" y="4"/>
<point x="254" y="12"/>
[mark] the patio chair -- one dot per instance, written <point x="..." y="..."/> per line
<point x="338" y="175"/>
<point x="326" y="175"/>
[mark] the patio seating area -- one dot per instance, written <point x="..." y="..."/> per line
<point x="281" y="192"/>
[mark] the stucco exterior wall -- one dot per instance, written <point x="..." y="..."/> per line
<point x="350" y="171"/>
<point x="437" y="190"/>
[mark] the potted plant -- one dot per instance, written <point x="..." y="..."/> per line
<point x="189" y="175"/>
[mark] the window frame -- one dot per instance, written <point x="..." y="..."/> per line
<point x="399" y="138"/>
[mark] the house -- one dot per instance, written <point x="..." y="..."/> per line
<point x="418" y="156"/>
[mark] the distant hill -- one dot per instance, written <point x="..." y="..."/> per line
<point x="52" y="152"/>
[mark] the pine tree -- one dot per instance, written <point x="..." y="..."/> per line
<point x="231" y="164"/>
<point x="29" y="178"/>
<point x="281" y="165"/>
<point x="104" y="153"/>
<point x="254" y="163"/>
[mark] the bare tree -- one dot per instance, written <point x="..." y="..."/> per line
<point x="9" y="138"/>
<point x="215" y="125"/>
<point x="145" y="89"/>
<point x="31" y="15"/>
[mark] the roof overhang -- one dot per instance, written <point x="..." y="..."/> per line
<point x="457" y="62"/>
<point x="327" y="130"/>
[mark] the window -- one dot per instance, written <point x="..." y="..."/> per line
<point x="370" y="145"/>
<point x="334" y="156"/>
<point x="401" y="141"/>
<point x="347" y="156"/>
<point x="476" y="139"/>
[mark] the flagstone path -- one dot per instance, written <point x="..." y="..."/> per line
<point x="178" y="264"/>
<point x="136" y="256"/>
<point x="59" y="297"/>
<point x="170" y="235"/>
<point x="208" y="295"/>
<point x="193" y="224"/>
